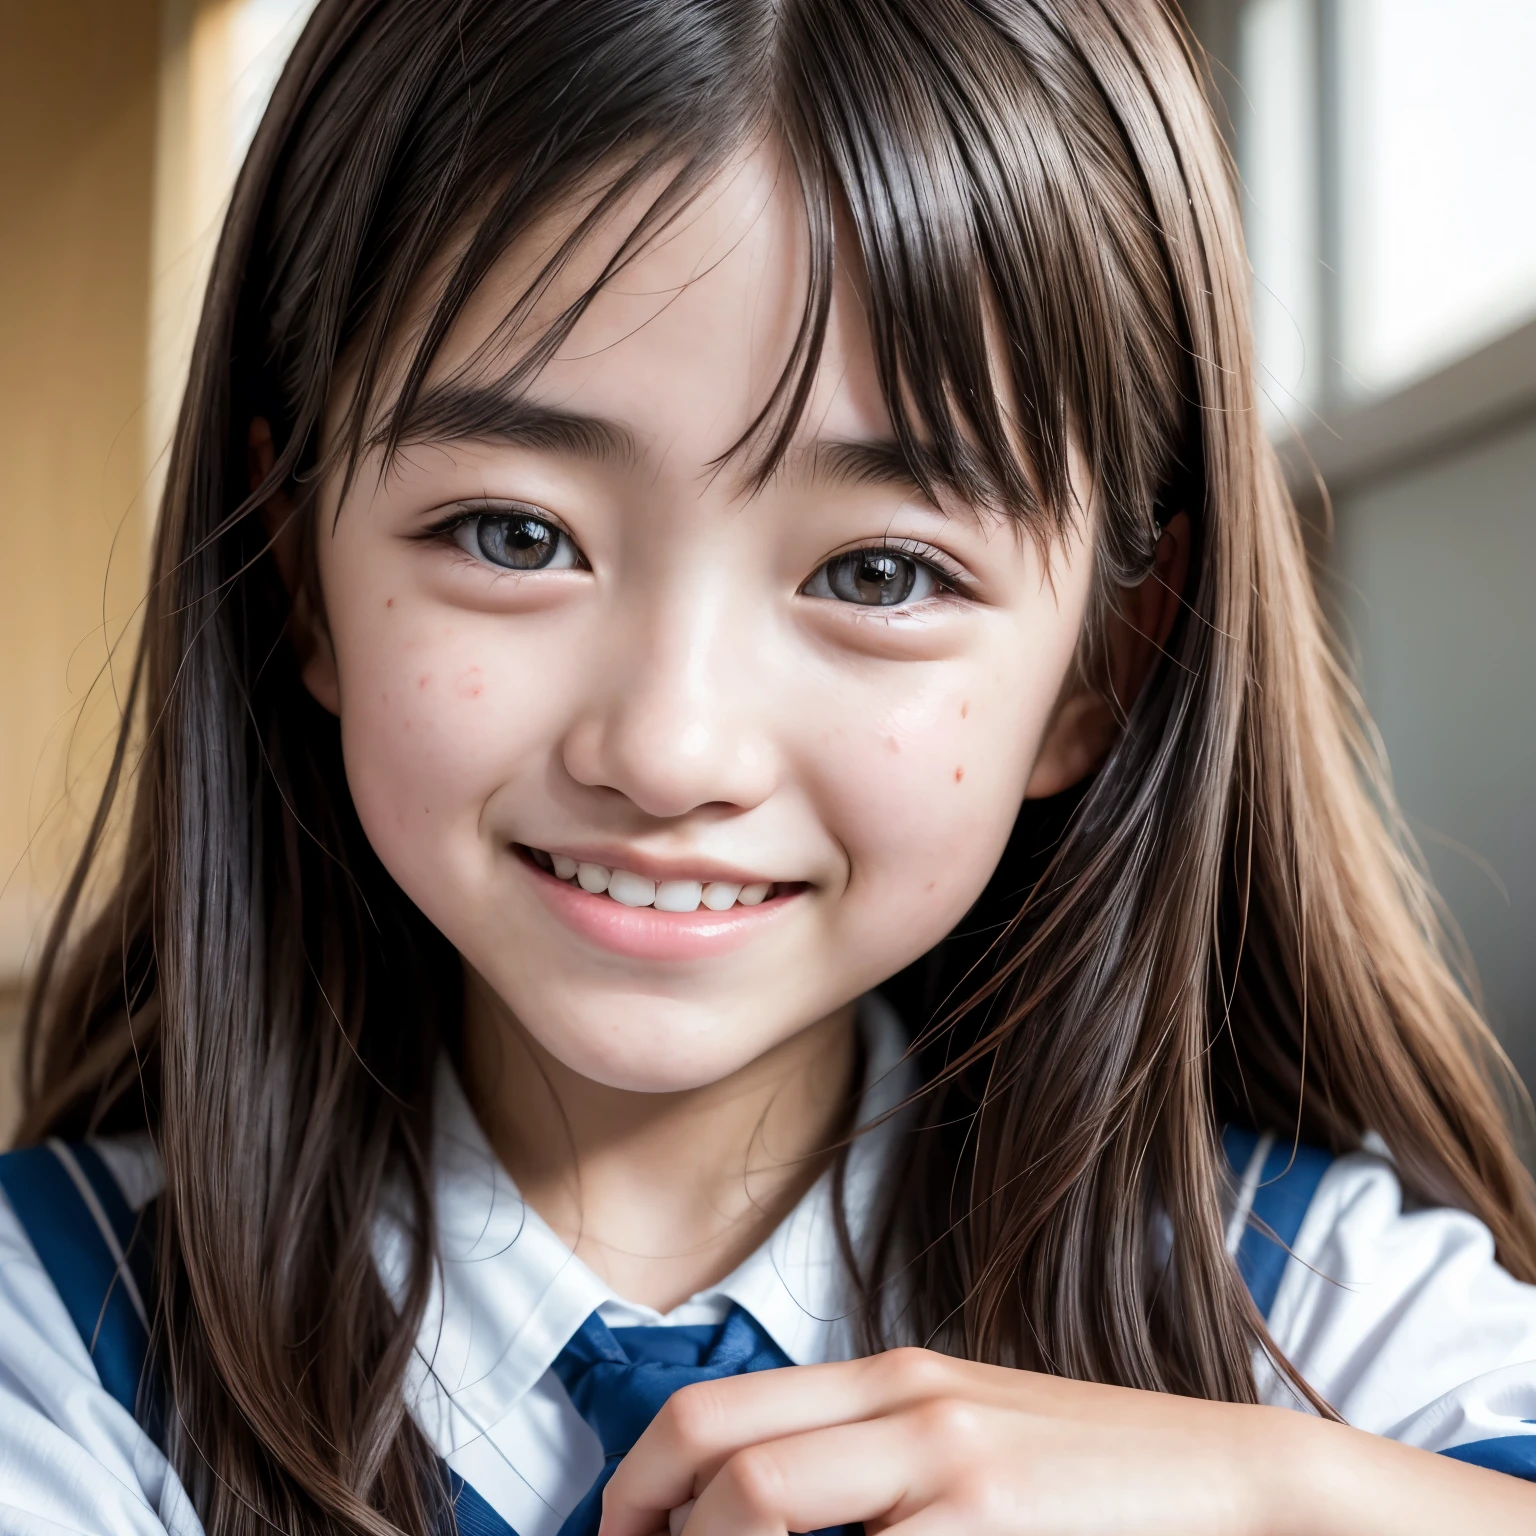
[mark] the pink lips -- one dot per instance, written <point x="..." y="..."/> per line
<point x="643" y="933"/>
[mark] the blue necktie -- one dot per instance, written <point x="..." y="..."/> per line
<point x="618" y="1379"/>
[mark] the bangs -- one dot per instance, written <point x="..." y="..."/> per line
<point x="1017" y="297"/>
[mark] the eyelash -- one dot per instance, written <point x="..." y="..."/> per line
<point x="951" y="581"/>
<point x="950" y="578"/>
<point x="472" y="512"/>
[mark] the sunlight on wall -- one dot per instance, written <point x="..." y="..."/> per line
<point x="76" y="172"/>
<point x="122" y="125"/>
<point x="119" y="154"/>
<point x="220" y="61"/>
<point x="77" y="126"/>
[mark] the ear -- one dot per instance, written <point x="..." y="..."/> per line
<point x="1089" y="715"/>
<point x="306" y="624"/>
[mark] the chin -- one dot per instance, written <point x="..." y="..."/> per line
<point x="647" y="1044"/>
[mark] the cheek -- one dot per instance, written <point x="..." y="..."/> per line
<point x="930" y="789"/>
<point x="434" y="721"/>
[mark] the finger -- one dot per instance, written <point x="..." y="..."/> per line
<point x="851" y="1472"/>
<point x="702" y="1425"/>
<point x="944" y="1517"/>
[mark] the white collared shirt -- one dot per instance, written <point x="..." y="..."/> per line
<point x="512" y="1294"/>
<point x="1402" y="1319"/>
<point x="508" y="1297"/>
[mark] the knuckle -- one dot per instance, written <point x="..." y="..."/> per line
<point x="695" y="1415"/>
<point x="915" y="1372"/>
<point x="950" y="1422"/>
<point x="756" y="1480"/>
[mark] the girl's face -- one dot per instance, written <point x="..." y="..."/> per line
<point x="564" y="632"/>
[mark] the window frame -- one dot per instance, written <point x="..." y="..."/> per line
<point x="1342" y="439"/>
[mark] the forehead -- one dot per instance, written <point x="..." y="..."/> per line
<point x="685" y="336"/>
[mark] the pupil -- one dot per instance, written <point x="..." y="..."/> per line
<point x="876" y="578"/>
<point x="522" y="543"/>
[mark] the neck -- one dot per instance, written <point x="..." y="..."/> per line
<point x="660" y="1194"/>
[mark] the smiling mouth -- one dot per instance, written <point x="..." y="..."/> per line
<point x="632" y="890"/>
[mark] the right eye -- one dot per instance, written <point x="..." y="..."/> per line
<point x="517" y="539"/>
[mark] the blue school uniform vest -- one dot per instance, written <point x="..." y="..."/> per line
<point x="98" y="1253"/>
<point x="1287" y="1181"/>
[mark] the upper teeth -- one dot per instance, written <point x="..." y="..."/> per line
<point x="634" y="890"/>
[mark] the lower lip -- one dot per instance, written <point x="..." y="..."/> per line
<point x="643" y="933"/>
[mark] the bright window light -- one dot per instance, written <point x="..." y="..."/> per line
<point x="1276" y="120"/>
<point x="1437" y="218"/>
<point x="1386" y="149"/>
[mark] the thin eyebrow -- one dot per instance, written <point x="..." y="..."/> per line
<point x="450" y="413"/>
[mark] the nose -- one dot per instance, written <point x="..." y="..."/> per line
<point x="678" y="720"/>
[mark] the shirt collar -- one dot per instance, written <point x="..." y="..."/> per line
<point x="509" y="1293"/>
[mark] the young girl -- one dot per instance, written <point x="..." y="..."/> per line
<point x="749" y="899"/>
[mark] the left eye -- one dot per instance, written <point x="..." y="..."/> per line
<point x="874" y="578"/>
<point x="517" y="541"/>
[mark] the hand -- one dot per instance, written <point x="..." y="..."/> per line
<point x="919" y="1444"/>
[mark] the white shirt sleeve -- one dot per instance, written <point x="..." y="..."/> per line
<point x="72" y="1459"/>
<point x="1403" y="1320"/>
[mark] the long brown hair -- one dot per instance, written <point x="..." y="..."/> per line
<point x="1224" y="926"/>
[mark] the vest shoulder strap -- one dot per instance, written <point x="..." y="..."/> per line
<point x="1276" y="1180"/>
<point x="99" y="1253"/>
<point x="97" y="1250"/>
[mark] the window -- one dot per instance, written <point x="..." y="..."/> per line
<point x="1387" y="150"/>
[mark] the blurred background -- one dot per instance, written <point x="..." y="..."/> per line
<point x="1388" y="156"/>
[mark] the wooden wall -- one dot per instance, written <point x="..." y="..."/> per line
<point x="78" y="106"/>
